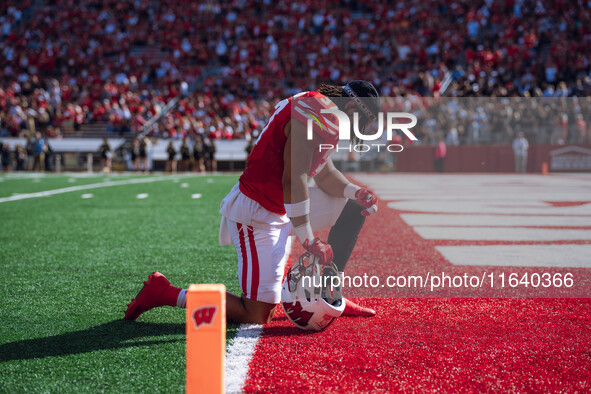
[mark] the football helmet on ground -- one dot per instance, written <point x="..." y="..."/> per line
<point x="308" y="297"/>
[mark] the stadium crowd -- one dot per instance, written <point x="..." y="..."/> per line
<point x="497" y="120"/>
<point x="67" y="63"/>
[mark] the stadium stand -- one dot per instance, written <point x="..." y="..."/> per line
<point x="96" y="68"/>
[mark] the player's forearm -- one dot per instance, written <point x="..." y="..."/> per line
<point x="332" y="182"/>
<point x="295" y="180"/>
<point x="295" y="198"/>
<point x="297" y="202"/>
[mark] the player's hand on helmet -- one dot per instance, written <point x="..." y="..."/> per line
<point x="368" y="199"/>
<point x="320" y="249"/>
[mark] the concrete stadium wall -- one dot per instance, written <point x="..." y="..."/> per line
<point x="231" y="156"/>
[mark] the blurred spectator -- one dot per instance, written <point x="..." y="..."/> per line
<point x="440" y="154"/>
<point x="106" y="156"/>
<point x="171" y="161"/>
<point x="20" y="157"/>
<point x="143" y="156"/>
<point x="185" y="155"/>
<point x="209" y="150"/>
<point x="582" y="134"/>
<point x="30" y="150"/>
<point x="48" y="156"/>
<point x="520" y="147"/>
<point x="198" y="151"/>
<point x="134" y="154"/>
<point x="5" y="157"/>
<point x="39" y="153"/>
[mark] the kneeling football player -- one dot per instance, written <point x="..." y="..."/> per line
<point x="272" y="201"/>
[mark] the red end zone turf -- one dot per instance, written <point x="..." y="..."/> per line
<point x="429" y="344"/>
<point x="433" y="344"/>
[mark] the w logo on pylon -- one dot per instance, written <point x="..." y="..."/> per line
<point x="204" y="315"/>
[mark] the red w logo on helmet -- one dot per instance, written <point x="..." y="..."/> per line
<point x="204" y="315"/>
<point x="295" y="312"/>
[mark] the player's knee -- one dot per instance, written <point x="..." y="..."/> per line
<point x="351" y="215"/>
<point x="357" y="209"/>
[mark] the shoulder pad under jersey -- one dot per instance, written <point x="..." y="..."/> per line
<point x="306" y="108"/>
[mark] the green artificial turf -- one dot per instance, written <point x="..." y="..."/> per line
<point x="70" y="265"/>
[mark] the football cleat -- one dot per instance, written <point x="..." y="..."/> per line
<point x="352" y="309"/>
<point x="150" y="296"/>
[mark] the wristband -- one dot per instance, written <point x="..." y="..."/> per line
<point x="298" y="209"/>
<point x="350" y="191"/>
<point x="304" y="232"/>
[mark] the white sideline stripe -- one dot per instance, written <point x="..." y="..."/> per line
<point x="501" y="234"/>
<point x="82" y="187"/>
<point x="239" y="354"/>
<point x="493" y="220"/>
<point x="23" y="175"/>
<point x="482" y="206"/>
<point x="572" y="256"/>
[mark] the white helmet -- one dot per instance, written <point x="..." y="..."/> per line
<point x="307" y="303"/>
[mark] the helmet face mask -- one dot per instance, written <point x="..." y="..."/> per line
<point x="308" y="304"/>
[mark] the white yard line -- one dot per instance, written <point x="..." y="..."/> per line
<point x="84" y="187"/>
<point x="501" y="234"/>
<point x="23" y="175"/>
<point x="239" y="354"/>
<point x="494" y="207"/>
<point x="481" y="194"/>
<point x="424" y="219"/>
<point x="575" y="256"/>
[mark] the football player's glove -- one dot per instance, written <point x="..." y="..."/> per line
<point x="368" y="199"/>
<point x="320" y="249"/>
<point x="307" y="303"/>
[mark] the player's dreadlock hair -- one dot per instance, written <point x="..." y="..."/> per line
<point x="331" y="90"/>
